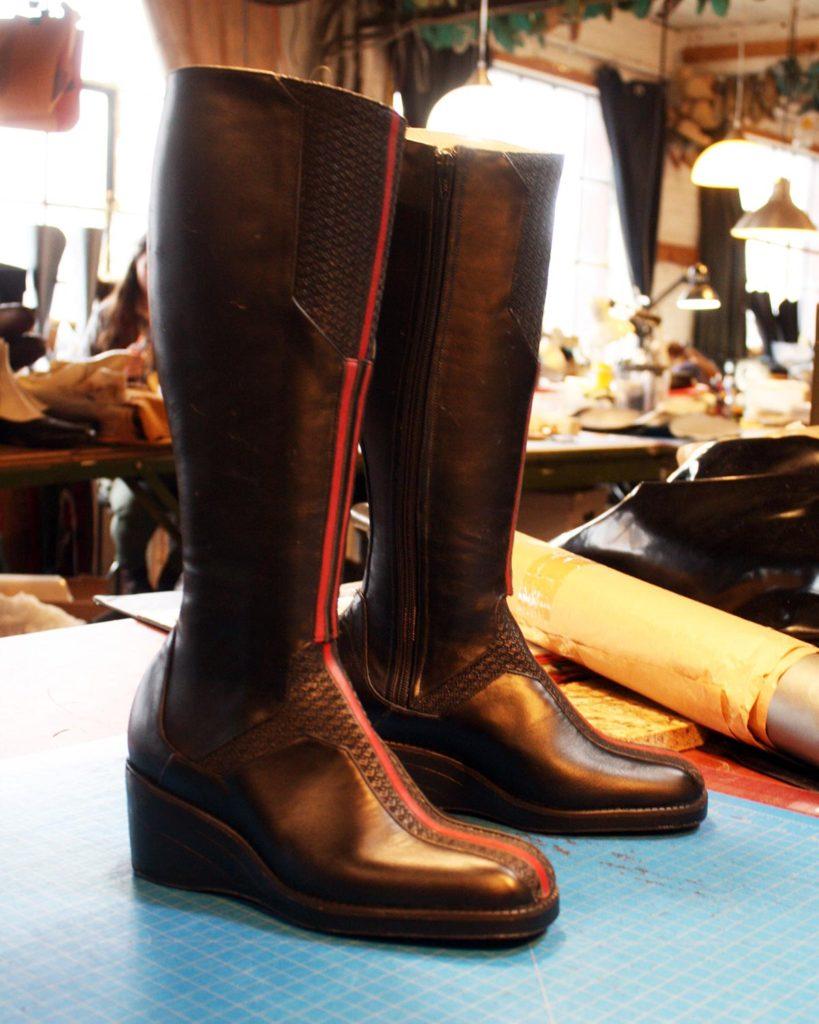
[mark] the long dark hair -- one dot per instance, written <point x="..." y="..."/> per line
<point x="127" y="318"/>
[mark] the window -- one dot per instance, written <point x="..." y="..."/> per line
<point x="785" y="272"/>
<point x="62" y="178"/>
<point x="588" y="256"/>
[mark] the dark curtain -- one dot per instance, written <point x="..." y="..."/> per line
<point x="634" y="115"/>
<point x="12" y="283"/>
<point x="720" y="333"/>
<point x="759" y="304"/>
<point x="423" y="75"/>
<point x="780" y="326"/>
<point x="788" y="320"/>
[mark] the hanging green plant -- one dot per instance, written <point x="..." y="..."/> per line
<point x="444" y="26"/>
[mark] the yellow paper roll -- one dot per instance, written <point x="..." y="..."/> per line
<point x="712" y="667"/>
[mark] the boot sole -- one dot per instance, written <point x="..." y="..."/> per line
<point x="175" y="844"/>
<point x="458" y="789"/>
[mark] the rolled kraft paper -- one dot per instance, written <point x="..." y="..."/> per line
<point x="712" y="667"/>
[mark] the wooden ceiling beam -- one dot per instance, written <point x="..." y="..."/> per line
<point x="713" y="53"/>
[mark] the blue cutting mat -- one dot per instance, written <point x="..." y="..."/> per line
<point x="719" y="925"/>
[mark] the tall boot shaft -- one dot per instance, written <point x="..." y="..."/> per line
<point x="446" y="420"/>
<point x="430" y="643"/>
<point x="270" y="217"/>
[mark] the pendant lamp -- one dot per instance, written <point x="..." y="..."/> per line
<point x="726" y="163"/>
<point x="779" y="220"/>
<point x="477" y="110"/>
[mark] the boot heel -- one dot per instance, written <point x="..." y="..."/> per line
<point x="442" y="781"/>
<point x="173" y="843"/>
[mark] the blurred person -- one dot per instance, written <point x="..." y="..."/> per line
<point x="689" y="364"/>
<point x="122" y="320"/>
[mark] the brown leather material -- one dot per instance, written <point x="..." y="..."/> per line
<point x="252" y="769"/>
<point x="440" y="665"/>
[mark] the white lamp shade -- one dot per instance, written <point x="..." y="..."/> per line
<point x="481" y="112"/>
<point x="727" y="164"/>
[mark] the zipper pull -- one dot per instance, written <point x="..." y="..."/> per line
<point x="445" y="158"/>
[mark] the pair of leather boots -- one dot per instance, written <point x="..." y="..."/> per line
<point x="275" y="754"/>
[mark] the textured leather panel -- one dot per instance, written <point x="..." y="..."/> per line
<point x="507" y="653"/>
<point x="342" y="189"/>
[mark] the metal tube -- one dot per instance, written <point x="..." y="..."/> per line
<point x="793" y="713"/>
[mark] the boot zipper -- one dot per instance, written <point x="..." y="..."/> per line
<point x="415" y="386"/>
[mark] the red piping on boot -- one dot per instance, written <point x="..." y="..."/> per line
<point x="336" y="671"/>
<point x="326" y="618"/>
<point x="348" y="494"/>
<point x="324" y="615"/>
<point x="486" y="841"/>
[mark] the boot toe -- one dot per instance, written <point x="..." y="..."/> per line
<point x="667" y="790"/>
<point x="428" y="875"/>
<point x="473" y="881"/>
<point x="331" y="831"/>
<point x="645" y="779"/>
<point x="681" y="785"/>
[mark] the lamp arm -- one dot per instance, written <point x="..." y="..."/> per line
<point x="666" y="292"/>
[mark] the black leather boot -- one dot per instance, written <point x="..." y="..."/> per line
<point x="253" y="770"/>
<point x="430" y="644"/>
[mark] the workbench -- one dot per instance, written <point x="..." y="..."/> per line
<point x="32" y="467"/>
<point x="584" y="460"/>
<point x="717" y="924"/>
<point x="565" y="463"/>
<point x="142" y="466"/>
<point x="562" y="464"/>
